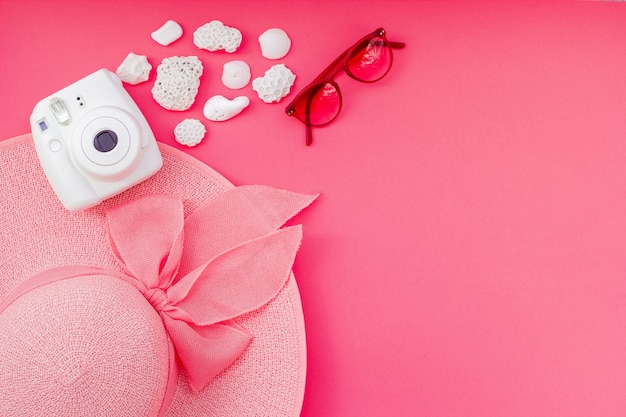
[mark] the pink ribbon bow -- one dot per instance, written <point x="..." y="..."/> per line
<point x="226" y="259"/>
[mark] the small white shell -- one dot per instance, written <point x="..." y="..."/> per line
<point x="168" y="33"/>
<point x="275" y="84"/>
<point x="236" y="75"/>
<point x="219" y="108"/>
<point x="189" y="132"/>
<point x="275" y="43"/>
<point x="134" y="69"/>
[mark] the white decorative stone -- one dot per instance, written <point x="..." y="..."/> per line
<point x="236" y="74"/>
<point x="168" y="33"/>
<point x="215" y="36"/>
<point x="275" y="84"/>
<point x="219" y="108"/>
<point x="189" y="132"/>
<point x="134" y="69"/>
<point x="177" y="82"/>
<point x="275" y="43"/>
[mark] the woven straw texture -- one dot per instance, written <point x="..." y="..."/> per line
<point x="109" y="339"/>
<point x="37" y="233"/>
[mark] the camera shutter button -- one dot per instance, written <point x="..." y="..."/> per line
<point x="55" y="145"/>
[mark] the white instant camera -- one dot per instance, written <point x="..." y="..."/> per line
<point x="92" y="140"/>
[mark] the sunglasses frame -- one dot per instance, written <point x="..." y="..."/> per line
<point x="341" y="63"/>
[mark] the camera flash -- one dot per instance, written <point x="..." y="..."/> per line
<point x="43" y="126"/>
<point x="60" y="111"/>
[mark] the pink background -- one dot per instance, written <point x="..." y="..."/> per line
<point x="468" y="254"/>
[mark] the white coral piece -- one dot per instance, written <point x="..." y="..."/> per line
<point x="218" y="108"/>
<point x="215" y="36"/>
<point x="275" y="84"/>
<point x="236" y="74"/>
<point x="189" y="132"/>
<point x="177" y="82"/>
<point x="134" y="69"/>
<point x="168" y="33"/>
<point x="275" y="43"/>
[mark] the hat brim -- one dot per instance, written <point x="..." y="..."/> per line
<point x="37" y="233"/>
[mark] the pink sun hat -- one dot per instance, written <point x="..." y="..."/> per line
<point x="175" y="298"/>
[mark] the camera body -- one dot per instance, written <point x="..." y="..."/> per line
<point x="92" y="141"/>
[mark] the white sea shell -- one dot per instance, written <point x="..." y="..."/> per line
<point x="275" y="84"/>
<point x="189" y="132"/>
<point x="177" y="82"/>
<point x="275" y="43"/>
<point x="215" y="36"/>
<point x="168" y="33"/>
<point x="134" y="69"/>
<point x="236" y="74"/>
<point x="219" y="108"/>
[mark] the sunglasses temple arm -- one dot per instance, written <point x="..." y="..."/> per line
<point x="307" y="120"/>
<point x="396" y="45"/>
<point x="309" y="135"/>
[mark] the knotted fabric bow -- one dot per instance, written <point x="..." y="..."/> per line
<point x="228" y="258"/>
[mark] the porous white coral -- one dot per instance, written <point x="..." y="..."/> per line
<point x="134" y="69"/>
<point x="189" y="132"/>
<point x="177" y="82"/>
<point x="275" y="84"/>
<point x="215" y="36"/>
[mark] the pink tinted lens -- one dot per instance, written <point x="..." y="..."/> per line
<point x="323" y="102"/>
<point x="371" y="62"/>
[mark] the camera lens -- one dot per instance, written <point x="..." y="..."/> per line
<point x="105" y="141"/>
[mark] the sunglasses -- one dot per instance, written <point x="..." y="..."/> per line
<point x="368" y="61"/>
